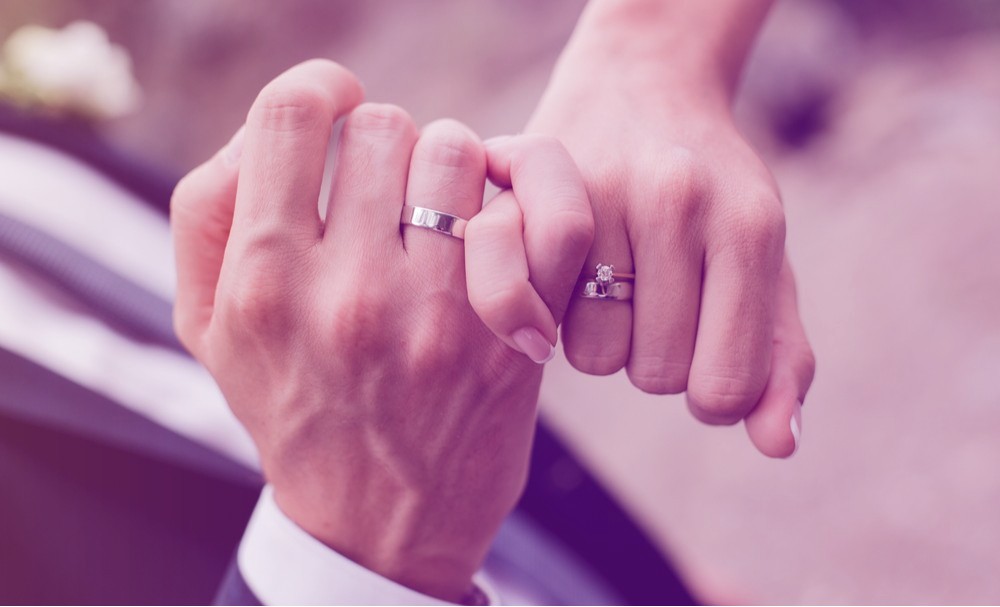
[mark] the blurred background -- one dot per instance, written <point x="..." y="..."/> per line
<point x="881" y="121"/>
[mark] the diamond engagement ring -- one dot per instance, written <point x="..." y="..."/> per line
<point x="434" y="220"/>
<point x="606" y="284"/>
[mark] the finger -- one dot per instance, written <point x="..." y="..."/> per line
<point x="498" y="282"/>
<point x="447" y="174"/>
<point x="288" y="130"/>
<point x="669" y="260"/>
<point x="201" y="216"/>
<point x="558" y="221"/>
<point x="596" y="333"/>
<point x="369" y="181"/>
<point x="732" y="356"/>
<point x="775" y="424"/>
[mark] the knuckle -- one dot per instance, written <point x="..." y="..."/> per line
<point x="291" y="106"/>
<point x="573" y="230"/>
<point x="433" y="345"/>
<point x="483" y="228"/>
<point x="686" y="213"/>
<point x="758" y="228"/>
<point x="429" y="355"/>
<point x="451" y="144"/>
<point x="266" y="245"/>
<point x="354" y="323"/>
<point x="255" y="303"/>
<point x="655" y="375"/>
<point x="260" y="295"/>
<point x="493" y="223"/>
<point x="680" y="184"/>
<point x="680" y="173"/>
<point x="379" y="119"/>
<point x="723" y="398"/>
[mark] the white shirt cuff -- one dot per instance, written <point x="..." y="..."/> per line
<point x="284" y="565"/>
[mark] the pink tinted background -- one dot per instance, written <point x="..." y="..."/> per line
<point x="881" y="121"/>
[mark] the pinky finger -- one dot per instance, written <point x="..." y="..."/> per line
<point x="775" y="424"/>
<point x="498" y="280"/>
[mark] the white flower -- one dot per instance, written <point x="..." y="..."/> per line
<point x="74" y="70"/>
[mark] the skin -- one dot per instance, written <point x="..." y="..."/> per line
<point x="333" y="340"/>
<point x="641" y="98"/>
<point x="336" y="342"/>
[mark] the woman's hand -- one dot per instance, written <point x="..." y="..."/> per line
<point x="641" y="99"/>
<point x="393" y="425"/>
<point x="524" y="251"/>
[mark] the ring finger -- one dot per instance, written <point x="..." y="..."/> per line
<point x="597" y="332"/>
<point x="448" y="175"/>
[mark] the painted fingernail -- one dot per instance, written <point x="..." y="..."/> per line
<point x="530" y="341"/>
<point x="495" y="141"/>
<point x="234" y="149"/>
<point x="795" y="423"/>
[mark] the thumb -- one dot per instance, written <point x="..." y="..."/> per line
<point x="201" y="216"/>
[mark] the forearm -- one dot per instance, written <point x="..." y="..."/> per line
<point x="670" y="43"/>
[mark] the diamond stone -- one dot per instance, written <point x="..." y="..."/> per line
<point x="605" y="274"/>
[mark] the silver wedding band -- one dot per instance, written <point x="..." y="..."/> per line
<point x="434" y="220"/>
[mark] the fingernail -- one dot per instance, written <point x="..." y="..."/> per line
<point x="495" y="141"/>
<point x="795" y="423"/>
<point x="234" y="149"/>
<point x="534" y="345"/>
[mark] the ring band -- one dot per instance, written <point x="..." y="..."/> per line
<point x="606" y="284"/>
<point x="618" y="291"/>
<point x="434" y="220"/>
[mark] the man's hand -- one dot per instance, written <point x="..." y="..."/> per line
<point x="393" y="425"/>
<point x="641" y="99"/>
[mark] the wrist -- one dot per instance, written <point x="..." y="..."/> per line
<point x="397" y="535"/>
<point x="283" y="564"/>
<point x="410" y="501"/>
<point x="657" y="47"/>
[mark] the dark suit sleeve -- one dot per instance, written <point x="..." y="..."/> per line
<point x="234" y="590"/>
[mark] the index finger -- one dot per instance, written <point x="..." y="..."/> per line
<point x="288" y="131"/>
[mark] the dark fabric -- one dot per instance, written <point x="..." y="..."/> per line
<point x="568" y="502"/>
<point x="572" y="506"/>
<point x="33" y="395"/>
<point x="234" y="590"/>
<point x="78" y="139"/>
<point x="100" y="506"/>
<point x="116" y="299"/>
